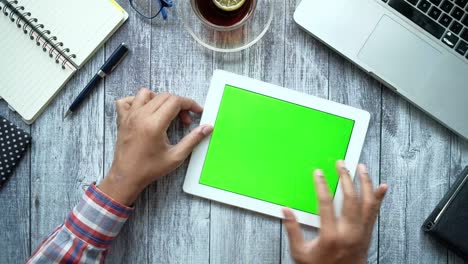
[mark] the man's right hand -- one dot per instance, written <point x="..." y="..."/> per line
<point x="341" y="240"/>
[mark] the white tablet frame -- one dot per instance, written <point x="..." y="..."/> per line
<point x="219" y="81"/>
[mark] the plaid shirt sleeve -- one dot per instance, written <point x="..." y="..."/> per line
<point x="87" y="233"/>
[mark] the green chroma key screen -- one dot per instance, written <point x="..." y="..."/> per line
<point x="267" y="149"/>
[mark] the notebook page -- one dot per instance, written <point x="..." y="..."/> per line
<point x="82" y="25"/>
<point x="29" y="77"/>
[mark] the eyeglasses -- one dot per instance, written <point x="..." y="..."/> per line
<point x="150" y="14"/>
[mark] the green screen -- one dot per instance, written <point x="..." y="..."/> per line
<point x="267" y="149"/>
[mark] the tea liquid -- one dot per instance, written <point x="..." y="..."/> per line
<point x="218" y="17"/>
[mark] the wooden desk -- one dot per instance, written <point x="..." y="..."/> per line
<point x="405" y="148"/>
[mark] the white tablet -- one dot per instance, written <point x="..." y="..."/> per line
<point x="266" y="143"/>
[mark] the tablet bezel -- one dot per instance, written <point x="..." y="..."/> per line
<point x="213" y="100"/>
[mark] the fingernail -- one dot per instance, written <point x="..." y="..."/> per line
<point x="342" y="167"/>
<point x="206" y="130"/>
<point x="318" y="173"/>
<point x="363" y="168"/>
<point x="287" y="214"/>
<point x="341" y="164"/>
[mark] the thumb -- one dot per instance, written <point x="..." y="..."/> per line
<point x="189" y="142"/>
<point x="296" y="239"/>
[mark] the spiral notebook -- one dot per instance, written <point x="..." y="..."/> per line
<point x="43" y="43"/>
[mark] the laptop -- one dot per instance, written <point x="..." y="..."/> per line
<point x="419" y="48"/>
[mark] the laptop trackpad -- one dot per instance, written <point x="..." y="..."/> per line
<point x="397" y="55"/>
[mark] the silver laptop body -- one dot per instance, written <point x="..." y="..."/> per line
<point x="395" y="44"/>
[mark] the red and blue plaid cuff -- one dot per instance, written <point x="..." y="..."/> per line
<point x="98" y="218"/>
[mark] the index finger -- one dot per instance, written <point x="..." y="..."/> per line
<point x="327" y="212"/>
<point x="173" y="106"/>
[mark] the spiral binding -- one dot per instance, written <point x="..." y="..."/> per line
<point x="30" y="26"/>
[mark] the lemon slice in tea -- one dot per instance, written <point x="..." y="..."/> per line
<point x="229" y="5"/>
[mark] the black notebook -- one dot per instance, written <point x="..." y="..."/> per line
<point x="14" y="143"/>
<point x="449" y="221"/>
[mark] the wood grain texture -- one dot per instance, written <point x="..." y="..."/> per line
<point x="415" y="158"/>
<point x="405" y="148"/>
<point x="351" y="86"/>
<point x="236" y="235"/>
<point x="14" y="205"/>
<point x="133" y="74"/>
<point x="66" y="154"/>
<point x="459" y="160"/>
<point x="307" y="71"/>
<point x="178" y="230"/>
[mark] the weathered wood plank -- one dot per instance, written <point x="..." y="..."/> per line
<point x="415" y="158"/>
<point x="14" y="208"/>
<point x="459" y="161"/>
<point x="178" y="230"/>
<point x="66" y="153"/>
<point x="240" y="236"/>
<point x="172" y="227"/>
<point x="134" y="73"/>
<point x="349" y="85"/>
<point x="306" y="70"/>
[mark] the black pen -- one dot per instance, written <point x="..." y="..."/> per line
<point x="114" y="60"/>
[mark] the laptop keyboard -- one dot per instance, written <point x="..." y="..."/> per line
<point x="446" y="20"/>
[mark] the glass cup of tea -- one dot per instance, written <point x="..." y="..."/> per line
<point x="226" y="28"/>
